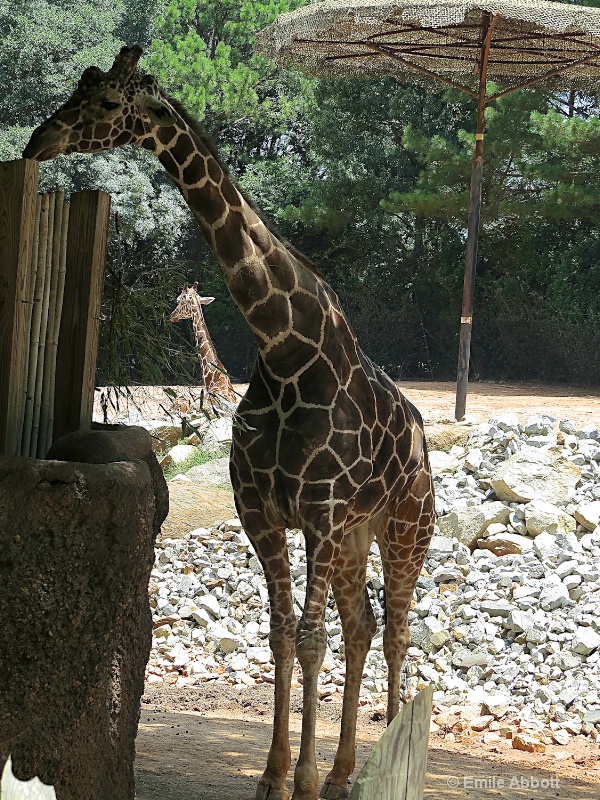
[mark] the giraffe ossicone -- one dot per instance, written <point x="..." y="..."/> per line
<point x="219" y="389"/>
<point x="327" y="443"/>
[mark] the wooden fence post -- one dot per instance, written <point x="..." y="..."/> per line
<point x="80" y="323"/>
<point x="397" y="766"/>
<point x="18" y="198"/>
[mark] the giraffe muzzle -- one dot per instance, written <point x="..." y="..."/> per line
<point x="42" y="146"/>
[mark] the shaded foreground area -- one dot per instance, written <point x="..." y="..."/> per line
<point x="211" y="743"/>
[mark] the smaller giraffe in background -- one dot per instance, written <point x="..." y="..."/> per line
<point x="217" y="383"/>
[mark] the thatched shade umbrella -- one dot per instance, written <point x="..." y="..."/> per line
<point x="517" y="44"/>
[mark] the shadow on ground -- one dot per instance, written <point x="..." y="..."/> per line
<point x="184" y="756"/>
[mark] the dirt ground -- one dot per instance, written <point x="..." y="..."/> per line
<point x="435" y="401"/>
<point x="210" y="742"/>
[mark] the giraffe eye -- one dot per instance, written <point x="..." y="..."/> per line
<point x="108" y="105"/>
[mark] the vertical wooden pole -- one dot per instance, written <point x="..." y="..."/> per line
<point x="49" y="352"/>
<point x="54" y="334"/>
<point x="80" y="323"/>
<point x="36" y="320"/>
<point x="30" y="316"/>
<point x="18" y="190"/>
<point x="41" y="352"/>
<point x="466" y="320"/>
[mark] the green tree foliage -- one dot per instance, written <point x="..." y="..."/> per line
<point x="370" y="179"/>
<point x="540" y="202"/>
<point x="203" y="52"/>
<point x="44" y="46"/>
<point x="396" y="271"/>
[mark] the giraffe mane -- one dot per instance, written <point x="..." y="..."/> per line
<point x="198" y="129"/>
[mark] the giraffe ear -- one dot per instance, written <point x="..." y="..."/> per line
<point x="206" y="300"/>
<point x="159" y="112"/>
<point x="126" y="60"/>
<point x="89" y="75"/>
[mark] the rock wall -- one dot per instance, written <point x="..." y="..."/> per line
<point x="76" y="550"/>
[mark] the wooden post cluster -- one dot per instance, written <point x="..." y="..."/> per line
<point x="52" y="258"/>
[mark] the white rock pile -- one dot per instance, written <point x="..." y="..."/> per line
<point x="505" y="620"/>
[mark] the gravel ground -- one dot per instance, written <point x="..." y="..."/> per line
<point x="210" y="741"/>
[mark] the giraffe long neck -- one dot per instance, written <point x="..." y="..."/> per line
<point x="289" y="307"/>
<point x="207" y="353"/>
<point x="234" y="231"/>
<point x="214" y="375"/>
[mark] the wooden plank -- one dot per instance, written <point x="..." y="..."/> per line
<point x="87" y="241"/>
<point x="419" y="741"/>
<point x="397" y="767"/>
<point x="18" y="190"/>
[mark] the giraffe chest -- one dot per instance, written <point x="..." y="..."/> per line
<point x="297" y="460"/>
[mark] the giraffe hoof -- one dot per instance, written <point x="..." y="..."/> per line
<point x="329" y="791"/>
<point x="265" y="791"/>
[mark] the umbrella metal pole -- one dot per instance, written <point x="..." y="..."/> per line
<point x="466" y="321"/>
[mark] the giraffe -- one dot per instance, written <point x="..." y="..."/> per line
<point x="216" y="380"/>
<point x="327" y="443"/>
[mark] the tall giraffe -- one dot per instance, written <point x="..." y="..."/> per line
<point x="216" y="380"/>
<point x="328" y="444"/>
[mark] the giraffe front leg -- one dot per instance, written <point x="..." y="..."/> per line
<point x="271" y="549"/>
<point x="322" y="550"/>
<point x="272" y="783"/>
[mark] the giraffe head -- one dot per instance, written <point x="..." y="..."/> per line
<point x="188" y="302"/>
<point x="106" y="110"/>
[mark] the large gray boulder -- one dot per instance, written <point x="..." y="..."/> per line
<point x="164" y="434"/>
<point x="442" y="463"/>
<point x="76" y="550"/>
<point x="502" y="544"/>
<point x="588" y="515"/>
<point x="533" y="474"/>
<point x="541" y="516"/>
<point x="468" y="524"/>
<point x="213" y="473"/>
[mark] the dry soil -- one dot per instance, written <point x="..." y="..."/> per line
<point x="210" y="742"/>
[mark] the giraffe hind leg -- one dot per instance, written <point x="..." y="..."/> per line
<point x="358" y="625"/>
<point x="403" y="691"/>
<point x="403" y="544"/>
